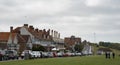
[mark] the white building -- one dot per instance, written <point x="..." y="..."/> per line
<point x="87" y="50"/>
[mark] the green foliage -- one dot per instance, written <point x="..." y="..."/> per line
<point x="110" y="45"/>
<point x="79" y="47"/>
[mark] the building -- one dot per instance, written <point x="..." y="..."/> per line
<point x="26" y="37"/>
<point x="70" y="42"/>
<point x="87" y="49"/>
<point x="14" y="41"/>
<point x="101" y="51"/>
<point x="47" y="38"/>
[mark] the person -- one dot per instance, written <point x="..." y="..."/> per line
<point x="0" y="56"/>
<point x="106" y="55"/>
<point x="113" y="55"/>
<point x="41" y="55"/>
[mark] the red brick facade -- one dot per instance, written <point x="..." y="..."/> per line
<point x="70" y="41"/>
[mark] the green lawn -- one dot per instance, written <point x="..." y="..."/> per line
<point x="85" y="60"/>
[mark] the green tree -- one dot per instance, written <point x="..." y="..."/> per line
<point x="78" y="47"/>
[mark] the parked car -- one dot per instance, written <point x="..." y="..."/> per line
<point x="50" y="54"/>
<point x="60" y="54"/>
<point x="78" y="54"/>
<point x="45" y="54"/>
<point x="35" y="54"/>
<point x="26" y="54"/>
<point x="22" y="54"/>
<point x="11" y="54"/>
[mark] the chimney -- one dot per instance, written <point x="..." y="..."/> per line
<point x="31" y="27"/>
<point x="40" y="31"/>
<point x="48" y="31"/>
<point x="56" y="34"/>
<point x="44" y="30"/>
<point x="36" y="30"/>
<point x="52" y="33"/>
<point x="25" y="25"/>
<point x="11" y="28"/>
<point x="59" y="35"/>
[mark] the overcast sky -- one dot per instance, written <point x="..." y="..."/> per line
<point x="92" y="20"/>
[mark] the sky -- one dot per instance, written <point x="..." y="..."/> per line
<point x="91" y="20"/>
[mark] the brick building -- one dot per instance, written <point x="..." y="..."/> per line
<point x="46" y="38"/>
<point x="26" y="36"/>
<point x="70" y="42"/>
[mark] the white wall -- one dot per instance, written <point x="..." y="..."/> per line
<point x="15" y="40"/>
<point x="24" y="31"/>
<point x="10" y="39"/>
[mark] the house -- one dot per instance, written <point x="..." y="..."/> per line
<point x="24" y="42"/>
<point x="8" y="41"/>
<point x="87" y="49"/>
<point x="70" y="42"/>
<point x="101" y="51"/>
<point x="4" y="36"/>
<point x="46" y="38"/>
<point x="14" y="41"/>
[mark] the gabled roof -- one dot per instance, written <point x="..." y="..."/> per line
<point x="39" y="34"/>
<point x="4" y="36"/>
<point x="16" y="30"/>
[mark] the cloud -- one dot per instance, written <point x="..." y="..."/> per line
<point x="93" y="2"/>
<point x="79" y="17"/>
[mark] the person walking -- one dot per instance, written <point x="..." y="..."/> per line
<point x="106" y="55"/>
<point x="113" y="55"/>
<point x="0" y="56"/>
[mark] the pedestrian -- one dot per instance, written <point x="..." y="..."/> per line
<point x="41" y="55"/>
<point x="113" y="55"/>
<point x="109" y="55"/>
<point x="0" y="56"/>
<point x="106" y="55"/>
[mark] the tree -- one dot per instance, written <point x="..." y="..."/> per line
<point x="110" y="45"/>
<point x="78" y="47"/>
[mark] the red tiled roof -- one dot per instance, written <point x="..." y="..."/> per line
<point x="38" y="34"/>
<point x="16" y="30"/>
<point x="4" y="36"/>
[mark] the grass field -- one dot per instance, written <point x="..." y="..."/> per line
<point x="85" y="60"/>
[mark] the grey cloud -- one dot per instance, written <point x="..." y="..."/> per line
<point x="67" y="16"/>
